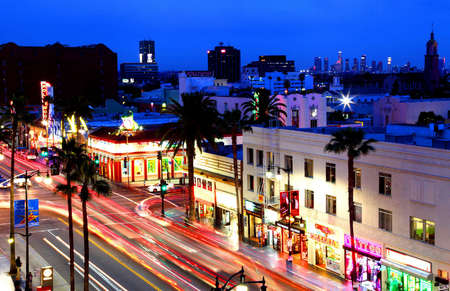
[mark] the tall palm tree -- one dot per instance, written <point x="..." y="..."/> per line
<point x="263" y="107"/>
<point x="197" y="122"/>
<point x="234" y="122"/>
<point x="15" y="114"/>
<point x="69" y="156"/>
<point x="89" y="178"/>
<point x="350" y="141"/>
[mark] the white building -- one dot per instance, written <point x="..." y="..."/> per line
<point x="401" y="199"/>
<point x="194" y="81"/>
<point x="274" y="81"/>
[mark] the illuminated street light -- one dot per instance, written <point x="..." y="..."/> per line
<point x="10" y="240"/>
<point x="47" y="180"/>
<point x="38" y="178"/>
<point x="2" y="157"/>
<point x="346" y="101"/>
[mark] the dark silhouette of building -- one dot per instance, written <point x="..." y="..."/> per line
<point x="347" y="65"/>
<point x="431" y="71"/>
<point x="317" y="64"/>
<point x="325" y="64"/>
<point x="89" y="70"/>
<point x="363" y="64"/>
<point x="224" y="62"/>
<point x="274" y="63"/>
<point x="147" y="51"/>
<point x="355" y="67"/>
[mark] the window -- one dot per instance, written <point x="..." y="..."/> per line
<point x="357" y="174"/>
<point x="259" y="158"/>
<point x="199" y="182"/>
<point x="385" y="219"/>
<point x="422" y="229"/>
<point x="195" y="181"/>
<point x="331" y="173"/>
<point x="384" y="184"/>
<point x="226" y="106"/>
<point x="270" y="160"/>
<point x="295" y="118"/>
<point x="249" y="156"/>
<point x="260" y="185"/>
<point x="209" y="186"/>
<point x="151" y="167"/>
<point x="309" y="168"/>
<point x="250" y="183"/>
<point x="443" y="274"/>
<point x="204" y="184"/>
<point x="288" y="163"/>
<point x="309" y="199"/>
<point x="271" y="190"/>
<point x="313" y="123"/>
<point x="331" y="205"/>
<point x="358" y="212"/>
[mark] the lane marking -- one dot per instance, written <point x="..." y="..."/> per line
<point x="115" y="193"/>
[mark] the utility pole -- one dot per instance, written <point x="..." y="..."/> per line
<point x="27" y="236"/>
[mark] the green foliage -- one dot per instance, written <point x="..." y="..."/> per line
<point x="88" y="178"/>
<point x="351" y="141"/>
<point x="263" y="107"/>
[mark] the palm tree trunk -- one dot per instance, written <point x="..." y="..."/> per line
<point x="351" y="208"/>
<point x="77" y="123"/>
<point x="236" y="185"/>
<point x="71" y="246"/>
<point x="13" y="268"/>
<point x="86" y="245"/>
<point x="190" y="155"/>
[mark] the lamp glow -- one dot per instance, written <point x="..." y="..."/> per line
<point x="39" y="178"/>
<point x="47" y="180"/>
<point x="2" y="157"/>
<point x="241" y="287"/>
<point x="346" y="100"/>
<point x="10" y="240"/>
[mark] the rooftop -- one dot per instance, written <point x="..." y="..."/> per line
<point x="110" y="134"/>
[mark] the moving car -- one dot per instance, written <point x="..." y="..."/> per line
<point x="157" y="187"/>
<point x="18" y="181"/>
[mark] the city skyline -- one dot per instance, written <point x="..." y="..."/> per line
<point x="382" y="33"/>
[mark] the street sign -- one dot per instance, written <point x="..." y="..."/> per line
<point x="33" y="213"/>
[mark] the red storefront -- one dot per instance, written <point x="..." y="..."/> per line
<point x="133" y="156"/>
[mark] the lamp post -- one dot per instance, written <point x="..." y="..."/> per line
<point x="242" y="286"/>
<point x="288" y="171"/>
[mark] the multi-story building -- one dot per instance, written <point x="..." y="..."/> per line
<point x="144" y="72"/>
<point x="347" y="65"/>
<point x="355" y="67"/>
<point x="431" y="69"/>
<point x="224" y="62"/>
<point x="275" y="82"/>
<point x="272" y="63"/>
<point x="147" y="51"/>
<point x="72" y="71"/>
<point x="318" y="64"/>
<point x="389" y="65"/>
<point x="400" y="197"/>
<point x="325" y="64"/>
<point x="363" y="63"/>
<point x="380" y="67"/>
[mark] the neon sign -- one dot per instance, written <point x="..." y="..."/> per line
<point x="45" y="91"/>
<point x="364" y="246"/>
<point x="324" y="240"/>
<point x="128" y="123"/>
<point x="408" y="260"/>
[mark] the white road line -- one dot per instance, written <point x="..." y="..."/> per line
<point x="115" y="193"/>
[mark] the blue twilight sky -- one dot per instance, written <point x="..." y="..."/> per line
<point x="185" y="30"/>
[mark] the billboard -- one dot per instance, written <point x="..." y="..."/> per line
<point x="295" y="203"/>
<point x="284" y="203"/>
<point x="19" y="213"/>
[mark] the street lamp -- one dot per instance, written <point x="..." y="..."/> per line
<point x="242" y="286"/>
<point x="278" y="177"/>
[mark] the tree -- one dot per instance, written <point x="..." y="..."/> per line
<point x="263" y="107"/>
<point x="197" y="122"/>
<point x="234" y="122"/>
<point x="88" y="178"/>
<point x="69" y="156"/>
<point x="350" y="141"/>
<point x="15" y="114"/>
<point x="427" y="117"/>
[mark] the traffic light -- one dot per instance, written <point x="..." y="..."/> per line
<point x="44" y="152"/>
<point x="163" y="186"/>
<point x="96" y="160"/>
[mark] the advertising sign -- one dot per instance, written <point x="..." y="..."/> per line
<point x="253" y="208"/>
<point x="410" y="261"/>
<point x="364" y="246"/>
<point x="33" y="213"/>
<point x="295" y="204"/>
<point x="46" y="90"/>
<point x="284" y="203"/>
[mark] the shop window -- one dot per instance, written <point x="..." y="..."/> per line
<point x="178" y="164"/>
<point x="385" y="219"/>
<point x="139" y="167"/>
<point x="423" y="230"/>
<point x="443" y="274"/>
<point x="309" y="167"/>
<point x="204" y="184"/>
<point x="384" y="184"/>
<point x="259" y="158"/>
<point x="260" y="185"/>
<point x="331" y="173"/>
<point x="209" y="186"/>
<point x="165" y="165"/>
<point x="309" y="199"/>
<point x="151" y="167"/>
<point x="358" y="212"/>
<point x="331" y="205"/>
<point x="357" y="181"/>
<point x="288" y="163"/>
<point x="249" y="156"/>
<point x="250" y="183"/>
<point x="199" y="182"/>
<point x="125" y="167"/>
<point x="195" y="181"/>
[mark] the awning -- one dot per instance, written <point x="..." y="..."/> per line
<point x="412" y="271"/>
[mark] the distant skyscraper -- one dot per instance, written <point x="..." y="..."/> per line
<point x="431" y="71"/>
<point x="325" y="64"/>
<point x="362" y="64"/>
<point x="373" y="66"/>
<point x="355" y="67"/>
<point x="147" y="51"/>
<point x="389" y="65"/>
<point x="380" y="67"/>
<point x="318" y="64"/>
<point x="347" y="65"/>
<point x="225" y="63"/>
<point x="339" y="63"/>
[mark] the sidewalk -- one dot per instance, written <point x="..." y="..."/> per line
<point x="6" y="282"/>
<point x="299" y="271"/>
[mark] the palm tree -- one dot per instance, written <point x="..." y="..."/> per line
<point x="69" y="156"/>
<point x="15" y="114"/>
<point x="263" y="107"/>
<point x="350" y="141"/>
<point x="301" y="77"/>
<point x="197" y="122"/>
<point x="88" y="178"/>
<point x="234" y="122"/>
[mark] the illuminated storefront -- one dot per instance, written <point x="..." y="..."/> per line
<point x="325" y="247"/>
<point x="298" y="236"/>
<point x="255" y="231"/>
<point x="405" y="272"/>
<point x="368" y="266"/>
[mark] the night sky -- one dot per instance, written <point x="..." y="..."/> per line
<point x="185" y="30"/>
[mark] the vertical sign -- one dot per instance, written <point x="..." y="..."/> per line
<point x="295" y="207"/>
<point x="284" y="203"/>
<point x="33" y="213"/>
<point x="46" y="90"/>
<point x="47" y="277"/>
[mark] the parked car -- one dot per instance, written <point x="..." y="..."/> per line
<point x="157" y="187"/>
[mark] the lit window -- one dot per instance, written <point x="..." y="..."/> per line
<point x="309" y="199"/>
<point x="384" y="184"/>
<point x="421" y="229"/>
<point x="357" y="174"/>
<point x="331" y="205"/>
<point x="309" y="167"/>
<point x="358" y="212"/>
<point x="385" y="219"/>
<point x="331" y="173"/>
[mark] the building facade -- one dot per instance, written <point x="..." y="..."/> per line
<point x="431" y="69"/>
<point x="401" y="206"/>
<point x="224" y="62"/>
<point x="72" y="71"/>
<point x="147" y="51"/>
